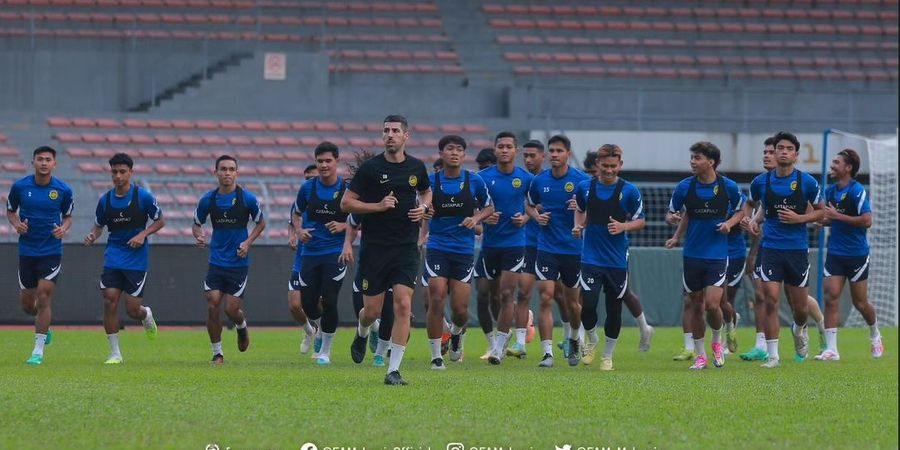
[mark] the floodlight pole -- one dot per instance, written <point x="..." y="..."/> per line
<point x="820" y="286"/>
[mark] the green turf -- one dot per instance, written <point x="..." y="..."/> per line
<point x="166" y="395"/>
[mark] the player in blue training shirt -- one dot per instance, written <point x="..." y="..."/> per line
<point x="790" y="199"/>
<point x="461" y="201"/>
<point x="714" y="205"/>
<point x="320" y="225"/>
<point x="559" y="253"/>
<point x="295" y="305"/>
<point x="849" y="214"/>
<point x="39" y="208"/>
<point x="608" y="207"/>
<point x="503" y="243"/>
<point x="124" y="211"/>
<point x="229" y="208"/>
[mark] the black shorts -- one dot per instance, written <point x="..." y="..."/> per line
<point x="789" y="266"/>
<point x="228" y="280"/>
<point x="452" y="266"/>
<point x="384" y="266"/>
<point x="610" y="280"/>
<point x="34" y="268"/>
<point x="736" y="272"/>
<point x="855" y="268"/>
<point x="555" y="266"/>
<point x="701" y="273"/>
<point x="530" y="259"/>
<point x="130" y="282"/>
<point x="493" y="261"/>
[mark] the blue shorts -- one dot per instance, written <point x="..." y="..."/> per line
<point x="855" y="268"/>
<point x="492" y="261"/>
<point x="555" y="266"/>
<point x="318" y="270"/>
<point x="130" y="282"/>
<point x="788" y="266"/>
<point x="736" y="272"/>
<point x="701" y="273"/>
<point x="228" y="280"/>
<point x="530" y="259"/>
<point x="610" y="280"/>
<point x="34" y="268"/>
<point x="452" y="266"/>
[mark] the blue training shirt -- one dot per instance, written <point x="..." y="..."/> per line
<point x="118" y="254"/>
<point x="225" y="242"/>
<point x="600" y="248"/>
<point x="44" y="208"/>
<point x="737" y="242"/>
<point x="445" y="233"/>
<point x="507" y="192"/>
<point x="553" y="195"/>
<point x="703" y="241"/>
<point x="777" y="235"/>
<point x="323" y="242"/>
<point x="846" y="239"/>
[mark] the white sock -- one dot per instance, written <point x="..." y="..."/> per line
<point x="772" y="348"/>
<point x="462" y="338"/>
<point x="831" y="339"/>
<point x="520" y="335"/>
<point x="729" y="326"/>
<point x="580" y="333"/>
<point x="114" y="344"/>
<point x="217" y="348"/>
<point x="455" y="330"/>
<point x="642" y="321"/>
<point x="361" y="330"/>
<point x="39" y="340"/>
<point x="500" y="340"/>
<point x="592" y="336"/>
<point x="327" y="339"/>
<point x="689" y="342"/>
<point x="547" y="346"/>
<point x="873" y="331"/>
<point x="610" y="346"/>
<point x="700" y="346"/>
<point x="318" y="324"/>
<point x="308" y="328"/>
<point x="760" y="341"/>
<point x="148" y="317"/>
<point x="241" y="325"/>
<point x="820" y="325"/>
<point x="446" y="325"/>
<point x="382" y="347"/>
<point x="717" y="336"/>
<point x="376" y="325"/>
<point x="490" y="339"/>
<point x="567" y="330"/>
<point x="435" y="345"/>
<point x="396" y="357"/>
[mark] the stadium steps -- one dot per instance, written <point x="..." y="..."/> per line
<point x="473" y="41"/>
<point x="193" y="80"/>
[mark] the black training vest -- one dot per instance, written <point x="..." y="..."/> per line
<point x="235" y="217"/>
<point x="714" y="208"/>
<point x="845" y="205"/>
<point x="322" y="211"/>
<point x="461" y="204"/>
<point x="793" y="202"/>
<point x="131" y="217"/>
<point x="599" y="211"/>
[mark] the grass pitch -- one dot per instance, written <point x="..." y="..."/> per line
<point x="166" y="395"/>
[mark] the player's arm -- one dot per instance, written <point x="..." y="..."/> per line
<point x="423" y="208"/>
<point x="13" y="217"/>
<point x="60" y="230"/>
<point x="864" y="220"/>
<point x="679" y="232"/>
<point x="200" y="217"/>
<point x="636" y="221"/>
<point x="93" y="235"/>
<point x="346" y="256"/>
<point x="674" y="215"/>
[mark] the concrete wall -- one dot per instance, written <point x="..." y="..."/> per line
<point x="175" y="288"/>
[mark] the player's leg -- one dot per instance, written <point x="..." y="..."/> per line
<point x="698" y="327"/>
<point x="483" y="299"/>
<point x="111" y="297"/>
<point x="373" y="285"/>
<point x="712" y="305"/>
<point x="560" y="299"/>
<point x="385" y="326"/>
<point x="310" y="292"/>
<point x="214" y="322"/>
<point x="797" y="296"/>
<point x="569" y="271"/>
<point x="331" y="278"/>
<point x="546" y="290"/>
<point x="434" y="316"/>
<point x="758" y="352"/>
<point x="507" y="284"/>
<point x="833" y="287"/>
<point x="860" y="296"/>
<point x="235" y="285"/>
<point x="523" y="303"/>
<point x="633" y="303"/>
<point x="590" y="298"/>
<point x="400" y="332"/>
<point x="688" y="311"/>
<point x="613" y="324"/>
<point x="460" y="292"/>
<point x="135" y="281"/>
<point x="295" y="306"/>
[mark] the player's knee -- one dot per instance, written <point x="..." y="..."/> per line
<point x="134" y="311"/>
<point x="402" y="309"/>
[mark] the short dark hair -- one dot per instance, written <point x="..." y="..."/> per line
<point x="397" y="118"/>
<point x="534" y="143"/>
<point x="709" y="150"/>
<point x="610" y="150"/>
<point x="438" y="164"/>
<point x="451" y="139"/>
<point x="505" y="134"/>
<point x="561" y="139"/>
<point x="121" y="158"/>
<point x="310" y="168"/>
<point x="327" y="147"/>
<point x="486" y="155"/>
<point x="785" y="136"/>
<point x="590" y="159"/>
<point x="44" y="149"/>
<point x="225" y="158"/>
<point x="769" y="141"/>
<point x="851" y="157"/>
